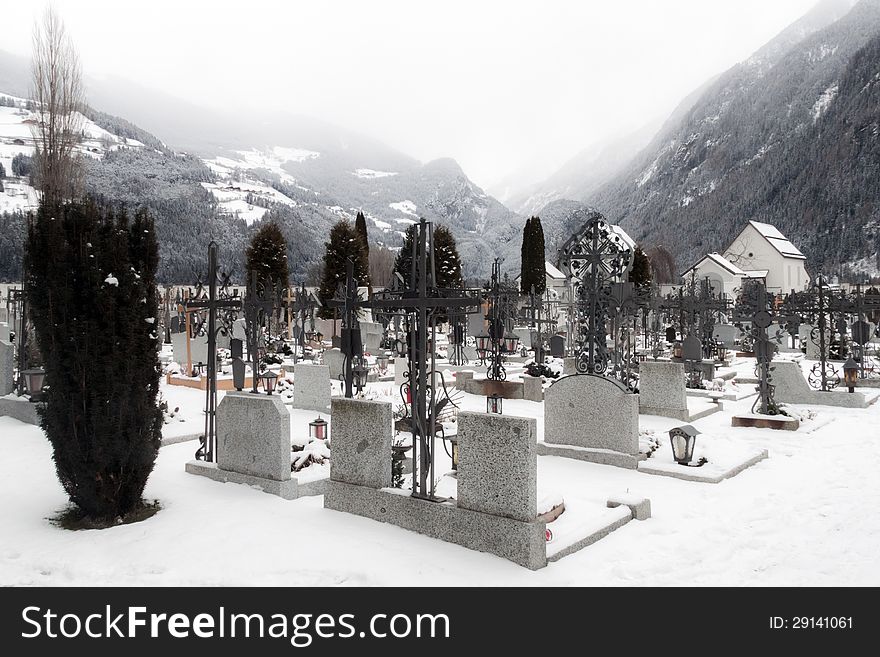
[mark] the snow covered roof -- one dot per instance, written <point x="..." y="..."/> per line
<point x="552" y="271"/>
<point x="629" y="241"/>
<point x="777" y="240"/>
<point x="756" y="273"/>
<point x="720" y="260"/>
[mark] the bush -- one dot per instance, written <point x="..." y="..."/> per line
<point x="94" y="306"/>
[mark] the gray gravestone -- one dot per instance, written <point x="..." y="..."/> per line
<point x="7" y="365"/>
<point x="371" y="336"/>
<point x="361" y="442"/>
<point x="662" y="389"/>
<point x="557" y="346"/>
<point x="791" y="387"/>
<point x="311" y="387"/>
<point x="498" y="465"/>
<point x="593" y="412"/>
<point x="198" y="348"/>
<point x="253" y="435"/>
<point x="4" y="331"/>
<point x="476" y="323"/>
<point x="533" y="388"/>
<point x="726" y="334"/>
<point x="335" y="360"/>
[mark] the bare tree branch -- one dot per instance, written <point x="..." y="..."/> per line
<point x="58" y="95"/>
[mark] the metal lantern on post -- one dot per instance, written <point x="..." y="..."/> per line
<point x="360" y="372"/>
<point x="511" y="342"/>
<point x="850" y="373"/>
<point x="269" y="378"/>
<point x="494" y="403"/>
<point x="382" y="362"/>
<point x="683" y="439"/>
<point x="483" y="342"/>
<point x="33" y="381"/>
<point x="318" y="428"/>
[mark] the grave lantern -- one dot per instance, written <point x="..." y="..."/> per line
<point x="382" y="361"/>
<point x="677" y="350"/>
<point x="494" y="403"/>
<point x="198" y="369"/>
<point x="33" y="381"/>
<point x="318" y="428"/>
<point x="269" y="379"/>
<point x="850" y="373"/>
<point x="683" y="439"/>
<point x="511" y="342"/>
<point x="360" y="371"/>
<point x="483" y="342"/>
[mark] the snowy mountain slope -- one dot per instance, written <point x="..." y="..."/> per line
<point x="767" y="140"/>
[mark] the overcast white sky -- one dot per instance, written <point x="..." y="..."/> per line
<point x="501" y="86"/>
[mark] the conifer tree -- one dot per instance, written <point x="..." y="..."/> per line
<point x="447" y="263"/>
<point x="360" y="223"/>
<point x="640" y="274"/>
<point x="94" y="307"/>
<point x="267" y="257"/>
<point x="345" y="243"/>
<point x="403" y="262"/>
<point x="532" y="271"/>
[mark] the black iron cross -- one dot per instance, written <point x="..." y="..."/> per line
<point x="217" y="298"/>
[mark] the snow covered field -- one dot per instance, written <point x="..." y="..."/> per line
<point x="805" y="516"/>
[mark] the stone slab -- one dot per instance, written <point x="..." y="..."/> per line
<point x="590" y="538"/>
<point x="498" y="465"/>
<point x="693" y="474"/>
<point x="21" y="409"/>
<point x="253" y="435"/>
<point x="7" y="367"/>
<point x="533" y="388"/>
<point x="361" y="442"/>
<point x="290" y="489"/>
<point x="662" y="386"/>
<point x="311" y="387"/>
<point x="640" y="507"/>
<point x="600" y="456"/>
<point x="335" y="361"/>
<point x="792" y="388"/>
<point x="520" y="542"/>
<point x="779" y="422"/>
<point x="594" y="412"/>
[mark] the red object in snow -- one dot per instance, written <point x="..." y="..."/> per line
<point x="548" y="535"/>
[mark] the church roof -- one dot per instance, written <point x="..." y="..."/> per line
<point x="777" y="240"/>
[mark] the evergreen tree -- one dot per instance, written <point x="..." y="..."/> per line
<point x="532" y="269"/>
<point x="447" y="263"/>
<point x="267" y="257"/>
<point x="344" y="245"/>
<point x="403" y="262"/>
<point x="640" y="274"/>
<point x="360" y="224"/>
<point x="94" y="307"/>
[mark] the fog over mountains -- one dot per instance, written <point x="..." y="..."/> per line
<point x="789" y="136"/>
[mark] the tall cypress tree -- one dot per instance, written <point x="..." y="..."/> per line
<point x="532" y="272"/>
<point x="360" y="224"/>
<point x="94" y="307"/>
<point x="267" y="256"/>
<point x="345" y="243"/>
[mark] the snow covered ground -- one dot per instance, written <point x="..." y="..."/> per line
<point x="805" y="516"/>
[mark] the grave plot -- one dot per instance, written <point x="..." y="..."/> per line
<point x="662" y="392"/>
<point x="254" y="449"/>
<point x="496" y="507"/>
<point x="591" y="418"/>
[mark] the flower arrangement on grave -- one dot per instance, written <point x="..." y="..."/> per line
<point x="313" y="452"/>
<point x="542" y="370"/>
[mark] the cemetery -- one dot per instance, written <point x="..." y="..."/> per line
<point x="481" y="432"/>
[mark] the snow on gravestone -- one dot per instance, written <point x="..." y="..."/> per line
<point x="591" y="411"/>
